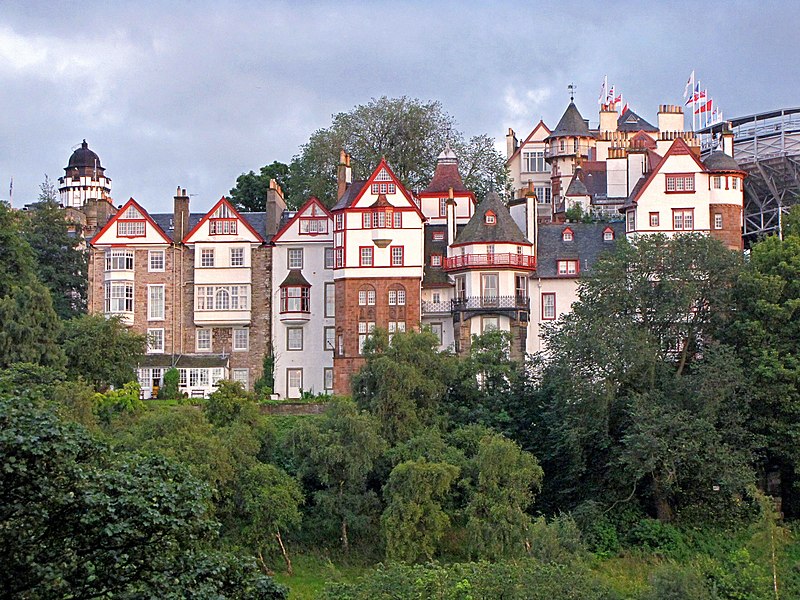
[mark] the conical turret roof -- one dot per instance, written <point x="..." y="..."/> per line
<point x="446" y="175"/>
<point x="571" y="124"/>
<point x="504" y="229"/>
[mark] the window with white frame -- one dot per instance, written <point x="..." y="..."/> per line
<point x="155" y="302"/>
<point x="131" y="228"/>
<point x="608" y="235"/>
<point x="543" y="194"/>
<point x="567" y="235"/>
<point x="203" y="340"/>
<point x="242" y="376"/>
<point x="329" y="258"/>
<point x="366" y="296"/>
<point x="533" y="162"/>
<point x="329" y="339"/>
<point x="237" y="257"/>
<point x="438" y="236"/>
<point x="548" y="306"/>
<point x="155" y="341"/>
<point x="436" y="260"/>
<point x="683" y="219"/>
<point x="567" y="267"/>
<point x="365" y="328"/>
<point x="295" y="298"/>
<point x="198" y="377"/>
<point x="490" y="324"/>
<point x="222" y="297"/>
<point x="365" y="255"/>
<point x="119" y="260"/>
<point x="217" y="373"/>
<point x="328" y="379"/>
<point x="630" y="220"/>
<point x="222" y="226"/>
<point x="717" y="220"/>
<point x="207" y="257"/>
<point x="366" y="220"/>
<point x="735" y="183"/>
<point x="155" y="262"/>
<point x="680" y="183"/>
<point x="294" y="379"/>
<point x="241" y="339"/>
<point x="717" y="182"/>
<point x="294" y="338"/>
<point x="397" y="256"/>
<point x="436" y="328"/>
<point x="442" y="207"/>
<point x="118" y="297"/>
<point x="654" y="219"/>
<point x="295" y="258"/>
<point x="330" y="299"/>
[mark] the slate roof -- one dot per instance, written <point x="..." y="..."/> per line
<point x="184" y="361"/>
<point x="594" y="177"/>
<point x="587" y="245"/>
<point x="433" y="277"/>
<point x="630" y="121"/>
<point x="571" y="124"/>
<point x="719" y="161"/>
<point x="350" y="194"/>
<point x="295" y="279"/>
<point x="504" y="230"/>
<point x="576" y="186"/>
<point x="256" y="220"/>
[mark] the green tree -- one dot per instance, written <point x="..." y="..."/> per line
<point x="79" y="520"/>
<point x="408" y="132"/>
<point x="250" y="192"/>
<point x="171" y="388"/>
<point x="61" y="265"/>
<point x="338" y="452"/>
<point x="414" y="521"/>
<point x="229" y="402"/>
<point x="403" y="383"/>
<point x="102" y="351"/>
<point x="497" y="521"/>
<point x="269" y="502"/>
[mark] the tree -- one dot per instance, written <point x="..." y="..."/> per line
<point x="625" y="365"/>
<point x="80" y="520"/>
<point x="228" y="403"/>
<point x="414" y="521"/>
<point x="408" y="132"/>
<point x="403" y="383"/>
<point x="60" y="263"/>
<point x="269" y="501"/>
<point x="497" y="521"/>
<point x="250" y="192"/>
<point x="338" y="452"/>
<point x="102" y="351"/>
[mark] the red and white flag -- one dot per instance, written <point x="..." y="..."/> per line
<point x="688" y="85"/>
<point x="705" y="106"/>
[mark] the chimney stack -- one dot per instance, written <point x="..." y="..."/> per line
<point x="344" y="174"/>
<point x="511" y="143"/>
<point x="275" y="207"/>
<point x="180" y="216"/>
<point x="727" y="141"/>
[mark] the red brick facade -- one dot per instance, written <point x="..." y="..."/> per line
<point x="731" y="232"/>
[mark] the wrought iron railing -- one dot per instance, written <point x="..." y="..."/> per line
<point x="503" y="259"/>
<point x="436" y="307"/>
<point x="491" y="302"/>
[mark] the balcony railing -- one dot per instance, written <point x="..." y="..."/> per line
<point x="436" y="307"/>
<point x="503" y="259"/>
<point x="491" y="303"/>
<point x="555" y="149"/>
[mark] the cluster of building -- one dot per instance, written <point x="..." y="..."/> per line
<point x="217" y="292"/>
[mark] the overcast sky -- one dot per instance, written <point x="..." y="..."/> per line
<point x="195" y="93"/>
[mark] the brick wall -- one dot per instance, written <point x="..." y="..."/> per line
<point x="731" y="232"/>
<point x="349" y="313"/>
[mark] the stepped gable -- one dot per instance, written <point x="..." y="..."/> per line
<point x="630" y="121"/>
<point x="719" y="161"/>
<point x="586" y="246"/>
<point x="571" y="124"/>
<point x="446" y="175"/>
<point x="350" y="194"/>
<point x="476" y="231"/>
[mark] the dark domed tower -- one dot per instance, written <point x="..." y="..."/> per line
<point x="84" y="179"/>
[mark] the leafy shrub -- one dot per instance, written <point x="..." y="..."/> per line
<point x="228" y="403"/>
<point x="116" y="402"/>
<point x="171" y="388"/>
<point x="657" y="537"/>
<point x="598" y="531"/>
<point x="672" y="582"/>
<point x="558" y="541"/>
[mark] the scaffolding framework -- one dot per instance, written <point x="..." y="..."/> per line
<point x="767" y="146"/>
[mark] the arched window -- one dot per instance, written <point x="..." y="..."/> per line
<point x="366" y="295"/>
<point x="222" y="300"/>
<point x="397" y="295"/>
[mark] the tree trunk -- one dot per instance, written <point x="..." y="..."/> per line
<point x="264" y="566"/>
<point x="663" y="508"/>
<point x="285" y="554"/>
<point x="345" y="541"/>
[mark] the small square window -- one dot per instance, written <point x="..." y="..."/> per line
<point x="436" y="260"/>
<point x="237" y="257"/>
<point x="156" y="261"/>
<point x="295" y="258"/>
<point x="718" y="220"/>
<point x="207" y="257"/>
<point x="155" y="341"/>
<point x="653" y="219"/>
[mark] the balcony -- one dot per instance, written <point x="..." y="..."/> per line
<point x="555" y="150"/>
<point x="436" y="308"/>
<point x="503" y="259"/>
<point x="295" y="317"/>
<point x="515" y="307"/>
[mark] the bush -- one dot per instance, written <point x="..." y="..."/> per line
<point x="558" y="541"/>
<point x="116" y="402"/>
<point x="657" y="537"/>
<point x="671" y="582"/>
<point x="599" y="533"/>
<point x="229" y="403"/>
<point x="171" y="388"/>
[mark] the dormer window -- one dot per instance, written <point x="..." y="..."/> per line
<point x="567" y="235"/>
<point x="608" y="234"/>
<point x="490" y="218"/>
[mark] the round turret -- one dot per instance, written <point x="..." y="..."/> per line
<point x="83" y="157"/>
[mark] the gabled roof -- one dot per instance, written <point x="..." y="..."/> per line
<point x="237" y="215"/>
<point x="719" y="161"/>
<point x="587" y="245"/>
<point x="539" y="125"/>
<point x="642" y="140"/>
<point x="678" y="147"/>
<point x="312" y="201"/>
<point x="352" y="192"/>
<point x="357" y="189"/>
<point x="446" y="176"/>
<point x="476" y="231"/>
<point x="594" y="177"/>
<point x="121" y="211"/>
<point x="630" y="121"/>
<point x="571" y="124"/>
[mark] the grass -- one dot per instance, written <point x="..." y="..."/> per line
<point x="312" y="572"/>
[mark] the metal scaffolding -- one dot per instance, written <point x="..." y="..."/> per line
<point x="767" y="146"/>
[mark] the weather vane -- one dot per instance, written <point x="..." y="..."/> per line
<point x="571" y="89"/>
